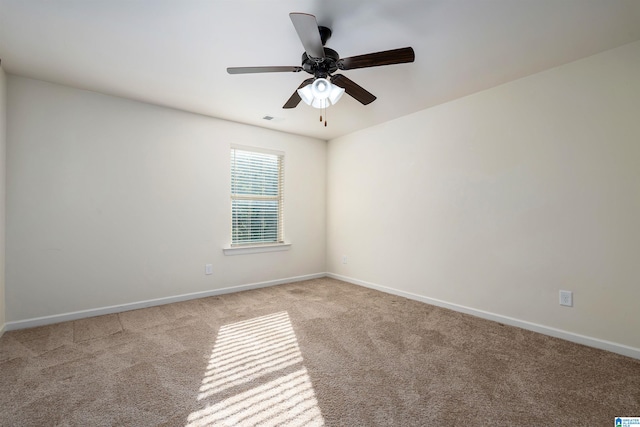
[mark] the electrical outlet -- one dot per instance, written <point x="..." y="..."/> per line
<point x="208" y="269"/>
<point x="344" y="259"/>
<point x="566" y="298"/>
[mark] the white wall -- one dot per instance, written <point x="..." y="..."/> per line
<point x="111" y="201"/>
<point x="3" y="145"/>
<point x="498" y="200"/>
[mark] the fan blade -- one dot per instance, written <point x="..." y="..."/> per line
<point x="249" y="70"/>
<point x="295" y="98"/>
<point x="387" y="57"/>
<point x="353" y="89"/>
<point x="307" y="29"/>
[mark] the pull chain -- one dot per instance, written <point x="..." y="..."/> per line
<point x="324" y="111"/>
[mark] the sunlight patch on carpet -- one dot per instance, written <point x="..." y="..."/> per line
<point x="255" y="376"/>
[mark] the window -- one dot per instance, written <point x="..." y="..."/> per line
<point x="257" y="180"/>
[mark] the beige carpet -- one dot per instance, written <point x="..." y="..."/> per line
<point x="320" y="352"/>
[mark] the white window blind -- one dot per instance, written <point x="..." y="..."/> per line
<point x="257" y="181"/>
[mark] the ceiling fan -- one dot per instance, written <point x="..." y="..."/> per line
<point x="321" y="62"/>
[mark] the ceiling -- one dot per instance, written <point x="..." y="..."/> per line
<point x="175" y="52"/>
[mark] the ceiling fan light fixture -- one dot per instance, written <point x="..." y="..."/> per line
<point x="321" y="62"/>
<point x="321" y="93"/>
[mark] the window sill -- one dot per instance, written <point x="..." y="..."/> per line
<point x="245" y="250"/>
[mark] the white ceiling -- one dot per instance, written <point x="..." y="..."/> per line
<point x="175" y="52"/>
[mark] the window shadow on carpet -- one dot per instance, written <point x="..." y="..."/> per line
<point x="256" y="376"/>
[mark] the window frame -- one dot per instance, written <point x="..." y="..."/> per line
<point x="235" y="248"/>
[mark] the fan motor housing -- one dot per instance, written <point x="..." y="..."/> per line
<point x="321" y="68"/>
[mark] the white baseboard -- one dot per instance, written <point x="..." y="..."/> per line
<point x="57" y="318"/>
<point x="2" y="329"/>
<point x="546" y="330"/>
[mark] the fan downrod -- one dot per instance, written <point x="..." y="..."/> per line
<point x="325" y="34"/>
